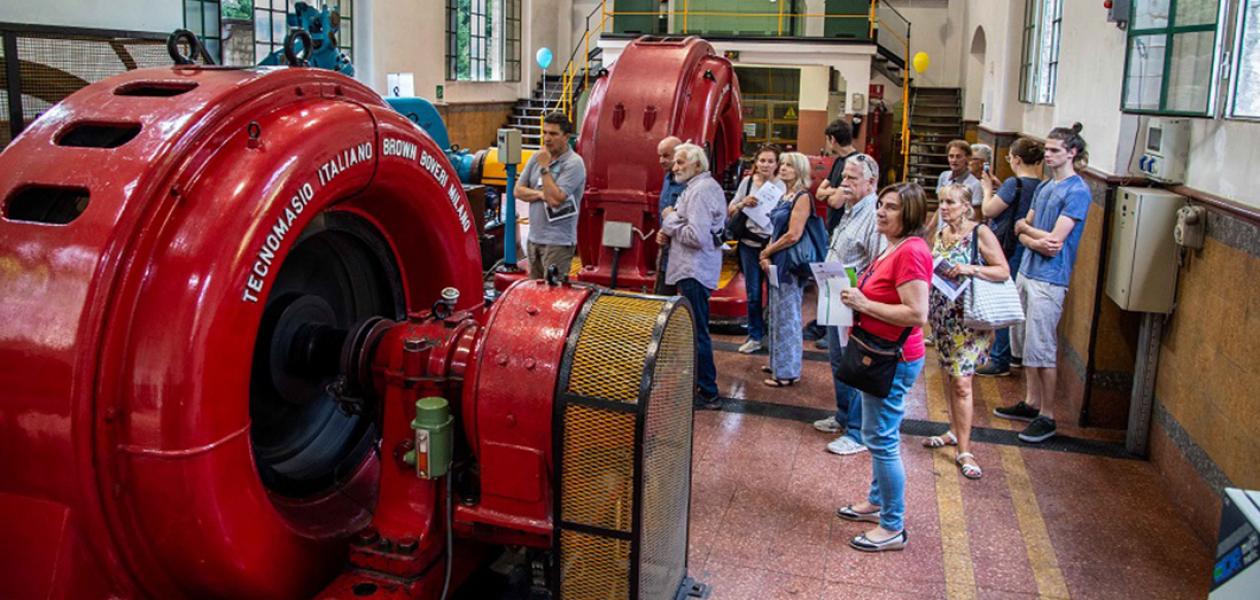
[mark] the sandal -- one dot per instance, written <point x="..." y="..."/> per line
<point x="775" y="382"/>
<point x="940" y="441"/>
<point x="970" y="470"/>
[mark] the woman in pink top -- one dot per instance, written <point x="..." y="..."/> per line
<point x="891" y="297"/>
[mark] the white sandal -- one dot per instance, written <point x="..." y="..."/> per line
<point x="940" y="441"/>
<point x="969" y="470"/>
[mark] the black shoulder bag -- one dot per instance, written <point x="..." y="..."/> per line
<point x="737" y="228"/>
<point x="870" y="362"/>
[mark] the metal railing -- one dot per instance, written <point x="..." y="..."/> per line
<point x="885" y="26"/>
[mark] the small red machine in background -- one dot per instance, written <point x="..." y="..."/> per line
<point x="245" y="355"/>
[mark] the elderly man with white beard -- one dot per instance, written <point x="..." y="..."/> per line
<point x="693" y="230"/>
<point x="854" y="243"/>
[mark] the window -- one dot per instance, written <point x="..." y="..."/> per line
<point x="483" y="40"/>
<point x="1169" y="64"/>
<point x="1039" y="57"/>
<point x="202" y="18"/>
<point x="271" y="25"/>
<point x="1245" y="100"/>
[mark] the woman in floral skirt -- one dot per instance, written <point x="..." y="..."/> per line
<point x="960" y="348"/>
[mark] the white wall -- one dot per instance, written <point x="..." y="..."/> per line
<point x="1222" y="152"/>
<point x="410" y="37"/>
<point x="937" y="28"/>
<point x="160" y="16"/>
<point x="974" y="74"/>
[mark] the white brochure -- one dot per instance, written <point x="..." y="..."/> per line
<point x="832" y="280"/>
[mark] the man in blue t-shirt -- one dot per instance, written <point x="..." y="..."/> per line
<point x="1050" y="233"/>
<point x="1009" y="203"/>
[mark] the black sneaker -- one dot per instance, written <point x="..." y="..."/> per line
<point x="1040" y="430"/>
<point x="1018" y="412"/>
<point x="991" y="371"/>
<point x="1017" y="362"/>
<point x="702" y="403"/>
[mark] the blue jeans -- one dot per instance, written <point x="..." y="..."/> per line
<point x="881" y="428"/>
<point x="848" y="400"/>
<point x="1000" y="353"/>
<point x="706" y="372"/>
<point x="749" y="264"/>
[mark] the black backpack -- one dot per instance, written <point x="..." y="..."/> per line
<point x="1021" y="206"/>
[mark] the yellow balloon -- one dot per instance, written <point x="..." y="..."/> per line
<point x="921" y="62"/>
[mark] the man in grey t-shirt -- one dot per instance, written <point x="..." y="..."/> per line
<point x="552" y="184"/>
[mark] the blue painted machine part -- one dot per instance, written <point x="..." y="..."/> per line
<point x="423" y="113"/>
<point x="509" y="219"/>
<point x="323" y="26"/>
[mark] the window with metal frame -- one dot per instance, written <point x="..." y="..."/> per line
<point x="1026" y="55"/>
<point x="1170" y="65"/>
<point x="483" y="40"/>
<point x="1245" y="87"/>
<point x="271" y="25"/>
<point x="202" y="18"/>
<point x="1039" y="54"/>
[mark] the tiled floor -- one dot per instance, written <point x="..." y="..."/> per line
<point x="1040" y="522"/>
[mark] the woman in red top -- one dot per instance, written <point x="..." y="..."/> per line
<point x="892" y="296"/>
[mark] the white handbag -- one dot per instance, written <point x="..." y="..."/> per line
<point x="990" y="304"/>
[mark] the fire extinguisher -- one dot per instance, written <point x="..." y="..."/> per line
<point x="872" y="131"/>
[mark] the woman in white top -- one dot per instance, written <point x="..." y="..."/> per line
<point x="765" y="172"/>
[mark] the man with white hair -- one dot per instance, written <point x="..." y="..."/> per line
<point x="854" y="243"/>
<point x="693" y="229"/>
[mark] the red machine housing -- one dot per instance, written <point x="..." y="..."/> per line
<point x="655" y="89"/>
<point x="147" y="226"/>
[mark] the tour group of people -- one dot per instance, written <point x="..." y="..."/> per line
<point x="1025" y="228"/>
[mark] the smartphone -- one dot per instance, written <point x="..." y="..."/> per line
<point x="986" y="167"/>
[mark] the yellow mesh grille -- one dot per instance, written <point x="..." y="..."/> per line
<point x="597" y="483"/>
<point x="609" y="359"/>
<point x="667" y="462"/>
<point x="594" y="568"/>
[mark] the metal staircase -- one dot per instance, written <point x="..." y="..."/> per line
<point x="935" y="119"/>
<point x="527" y="114"/>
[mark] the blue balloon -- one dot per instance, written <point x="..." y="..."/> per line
<point x="543" y="57"/>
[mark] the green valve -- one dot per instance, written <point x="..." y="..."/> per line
<point x="434" y="441"/>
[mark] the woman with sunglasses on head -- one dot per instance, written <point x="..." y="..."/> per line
<point x="960" y="348"/>
<point x="891" y="303"/>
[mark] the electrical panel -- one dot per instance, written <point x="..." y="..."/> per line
<point x="509" y="144"/>
<point x="1165" y="150"/>
<point x="1236" y="572"/>
<point x="1142" y="261"/>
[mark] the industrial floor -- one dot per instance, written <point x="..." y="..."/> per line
<point x="1075" y="519"/>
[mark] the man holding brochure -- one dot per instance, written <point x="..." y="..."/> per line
<point x="854" y="244"/>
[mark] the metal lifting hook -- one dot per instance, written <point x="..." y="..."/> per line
<point x="194" y="48"/>
<point x="290" y="53"/>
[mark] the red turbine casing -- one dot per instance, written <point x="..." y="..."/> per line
<point x="126" y="335"/>
<point x="655" y="89"/>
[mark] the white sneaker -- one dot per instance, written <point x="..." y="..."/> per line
<point x="845" y="446"/>
<point x="828" y="425"/>
<point x="750" y="347"/>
